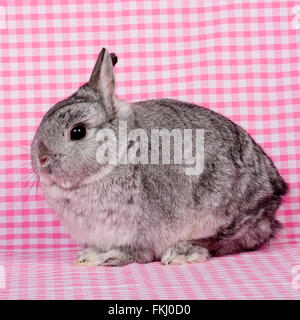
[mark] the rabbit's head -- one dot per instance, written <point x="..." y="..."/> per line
<point x="64" y="148"/>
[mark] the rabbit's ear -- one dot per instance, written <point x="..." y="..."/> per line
<point x="102" y="78"/>
<point x="114" y="58"/>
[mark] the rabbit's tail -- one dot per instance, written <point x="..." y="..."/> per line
<point x="280" y="187"/>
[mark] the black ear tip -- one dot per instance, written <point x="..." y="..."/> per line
<point x="114" y="58"/>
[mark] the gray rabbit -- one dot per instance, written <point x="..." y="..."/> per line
<point x="138" y="213"/>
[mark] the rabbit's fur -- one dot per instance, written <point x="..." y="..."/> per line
<point x="142" y="213"/>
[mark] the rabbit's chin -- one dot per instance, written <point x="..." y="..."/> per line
<point x="50" y="180"/>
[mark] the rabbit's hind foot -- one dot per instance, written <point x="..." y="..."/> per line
<point x="185" y="252"/>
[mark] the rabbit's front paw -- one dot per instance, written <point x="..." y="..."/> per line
<point x="94" y="257"/>
<point x="185" y="252"/>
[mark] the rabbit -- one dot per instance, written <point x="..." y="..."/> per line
<point x="140" y="213"/>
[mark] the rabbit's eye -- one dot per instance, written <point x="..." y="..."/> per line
<point x="78" y="133"/>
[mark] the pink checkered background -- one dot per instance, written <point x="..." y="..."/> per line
<point x="240" y="58"/>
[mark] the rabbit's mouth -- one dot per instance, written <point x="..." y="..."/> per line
<point x="46" y="179"/>
<point x="50" y="180"/>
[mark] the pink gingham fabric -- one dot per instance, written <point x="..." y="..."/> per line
<point x="239" y="58"/>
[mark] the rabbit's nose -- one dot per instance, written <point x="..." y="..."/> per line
<point x="43" y="153"/>
<point x="43" y="160"/>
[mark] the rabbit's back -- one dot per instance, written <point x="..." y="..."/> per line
<point x="228" y="149"/>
